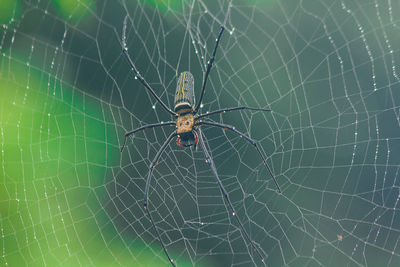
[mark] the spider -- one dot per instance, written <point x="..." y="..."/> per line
<point x="188" y="131"/>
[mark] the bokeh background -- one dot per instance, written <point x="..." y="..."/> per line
<point x="329" y="70"/>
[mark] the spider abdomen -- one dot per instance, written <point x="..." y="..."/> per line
<point x="184" y="96"/>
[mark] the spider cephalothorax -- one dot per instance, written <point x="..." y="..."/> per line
<point x="185" y="130"/>
<point x="188" y="130"/>
<point x="184" y="123"/>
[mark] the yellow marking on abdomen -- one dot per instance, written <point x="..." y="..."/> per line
<point x="179" y="89"/>
<point x="183" y="86"/>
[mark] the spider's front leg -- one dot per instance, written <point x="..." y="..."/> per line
<point x="136" y="72"/>
<point x="209" y="65"/>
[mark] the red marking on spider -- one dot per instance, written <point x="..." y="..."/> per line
<point x="178" y="140"/>
<point x="197" y="138"/>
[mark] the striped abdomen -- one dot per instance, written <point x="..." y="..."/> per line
<point x="184" y="96"/>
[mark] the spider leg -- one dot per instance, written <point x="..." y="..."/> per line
<point x="251" y="141"/>
<point x="148" y="126"/>
<point x="146" y="191"/>
<point x="210" y="162"/>
<point x="209" y="65"/>
<point x="230" y="109"/>
<point x="136" y="72"/>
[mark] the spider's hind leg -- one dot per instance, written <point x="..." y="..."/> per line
<point x="210" y="162"/>
<point x="248" y="139"/>
<point x="146" y="192"/>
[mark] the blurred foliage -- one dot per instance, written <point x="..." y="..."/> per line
<point x="164" y="5"/>
<point x="74" y="10"/>
<point x="9" y="9"/>
<point x="55" y="149"/>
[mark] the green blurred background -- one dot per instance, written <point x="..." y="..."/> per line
<point x="328" y="70"/>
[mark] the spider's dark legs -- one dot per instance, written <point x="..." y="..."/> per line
<point x="251" y="141"/>
<point x="230" y="109"/>
<point x="136" y="72"/>
<point x="148" y="126"/>
<point x="145" y="84"/>
<point x="224" y="193"/>
<point x="146" y="191"/>
<point x="159" y="237"/>
<point x="209" y="65"/>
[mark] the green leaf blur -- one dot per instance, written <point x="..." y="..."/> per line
<point x="55" y="153"/>
<point x="165" y="5"/>
<point x="8" y="10"/>
<point x="74" y="10"/>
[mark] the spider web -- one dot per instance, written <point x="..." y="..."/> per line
<point x="328" y="70"/>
